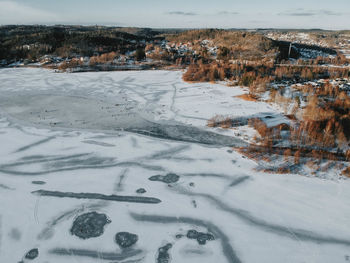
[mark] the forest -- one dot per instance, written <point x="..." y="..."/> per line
<point x="32" y="42"/>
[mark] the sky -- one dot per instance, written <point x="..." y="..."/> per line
<point x="323" y="14"/>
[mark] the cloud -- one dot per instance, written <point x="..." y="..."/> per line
<point x="181" y="13"/>
<point x="303" y="12"/>
<point x="12" y="12"/>
<point x="330" y="13"/>
<point x="227" y="13"/>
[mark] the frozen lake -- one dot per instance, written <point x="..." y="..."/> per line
<point x="120" y="167"/>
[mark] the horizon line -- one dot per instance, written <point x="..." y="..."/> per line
<point x="171" y="28"/>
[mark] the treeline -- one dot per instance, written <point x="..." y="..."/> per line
<point x="104" y="59"/>
<point x="32" y="42"/>
<point x="252" y="73"/>
<point x="326" y="119"/>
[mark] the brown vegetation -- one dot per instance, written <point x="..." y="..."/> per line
<point x="103" y="59"/>
<point x="69" y="64"/>
<point x="257" y="75"/>
<point x="220" y="121"/>
<point x="248" y="97"/>
<point x="346" y="172"/>
<point x="232" y="44"/>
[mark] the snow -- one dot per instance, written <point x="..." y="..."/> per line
<point x="254" y="216"/>
<point x="313" y="54"/>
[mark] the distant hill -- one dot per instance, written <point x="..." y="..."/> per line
<point x="19" y="42"/>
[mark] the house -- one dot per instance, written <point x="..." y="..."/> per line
<point x="84" y="59"/>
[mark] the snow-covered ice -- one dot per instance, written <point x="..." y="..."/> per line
<point x="74" y="144"/>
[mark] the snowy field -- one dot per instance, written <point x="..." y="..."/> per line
<point x="120" y="167"/>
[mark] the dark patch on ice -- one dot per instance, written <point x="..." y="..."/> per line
<point x="244" y="120"/>
<point x="38" y="182"/>
<point x="201" y="237"/>
<point x="48" y="231"/>
<point x="163" y="254"/>
<point x="89" y="110"/>
<point x="87" y="160"/>
<point x="32" y="254"/>
<point x="96" y="254"/>
<point x="4" y="168"/>
<point x="15" y="234"/>
<point x="168" y="179"/>
<point x="239" y="181"/>
<point x="119" y="187"/>
<point x="194" y="251"/>
<point x="6" y="187"/>
<point x="223" y="176"/>
<point x="194" y="203"/>
<point x="191" y="184"/>
<point x="225" y="242"/>
<point x="169" y="153"/>
<point x="98" y="143"/>
<point x="126" y="239"/>
<point x="141" y="191"/>
<point x="117" y="198"/>
<point x="44" y="159"/>
<point x="33" y="157"/>
<point x="89" y="225"/>
<point x="286" y="231"/>
<point x="134" y="142"/>
<point x="24" y="148"/>
<point x="185" y="133"/>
